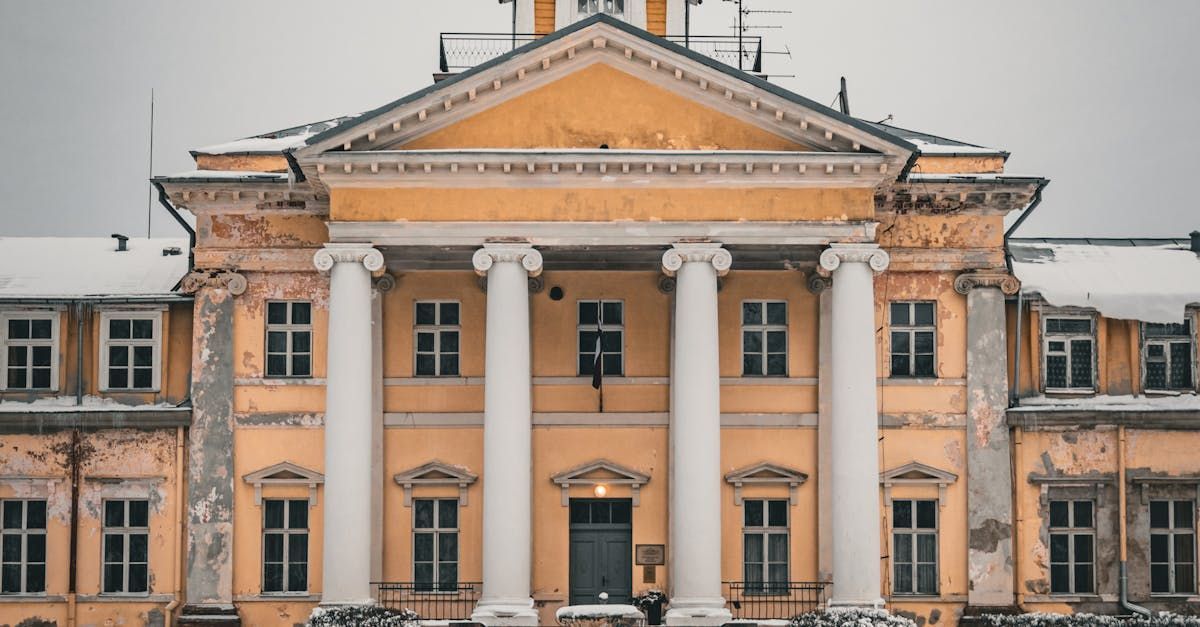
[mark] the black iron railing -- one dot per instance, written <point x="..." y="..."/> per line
<point x="462" y="51"/>
<point x="429" y="601"/>
<point x="774" y="601"/>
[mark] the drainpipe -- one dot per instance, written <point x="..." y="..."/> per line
<point x="177" y="558"/>
<point x="1124" y="575"/>
<point x="166" y="203"/>
<point x="1018" y="517"/>
<point x="1014" y="396"/>
<point x="80" y="313"/>
<point x="73" y="550"/>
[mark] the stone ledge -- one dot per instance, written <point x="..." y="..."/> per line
<point x="49" y="421"/>
<point x="1138" y="419"/>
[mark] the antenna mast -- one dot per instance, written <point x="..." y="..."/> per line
<point x="740" y="26"/>
<point x="150" y="167"/>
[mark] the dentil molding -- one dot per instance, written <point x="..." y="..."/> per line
<point x="968" y="281"/>
<point x="675" y="257"/>
<point x="368" y="256"/>
<point x="491" y="254"/>
<point x="870" y="254"/>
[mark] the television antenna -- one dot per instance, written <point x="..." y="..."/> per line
<point x="740" y="26"/>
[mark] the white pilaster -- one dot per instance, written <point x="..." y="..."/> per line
<point x="695" y="547"/>
<point x="346" y="576"/>
<point x="854" y="425"/>
<point x="507" y="433"/>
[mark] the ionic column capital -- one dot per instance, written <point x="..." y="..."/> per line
<point x="870" y="254"/>
<point x="1002" y="281"/>
<point x="367" y="255"/>
<point x="197" y="280"/>
<point x="674" y="258"/>
<point x="490" y="254"/>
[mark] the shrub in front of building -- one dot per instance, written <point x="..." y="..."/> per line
<point x="1163" y="619"/>
<point x="362" y="616"/>
<point x="851" y="618"/>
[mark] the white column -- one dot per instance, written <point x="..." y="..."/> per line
<point x="695" y="547"/>
<point x="507" y="433"/>
<point x="346" y="576"/>
<point x="855" y="424"/>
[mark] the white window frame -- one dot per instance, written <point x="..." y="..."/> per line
<point x="289" y="329"/>
<point x="287" y="532"/>
<point x="24" y="532"/>
<point x="1071" y="531"/>
<point x="1190" y="338"/>
<point x="566" y="12"/>
<point x="125" y="531"/>
<point x="437" y="329"/>
<point x="436" y="531"/>
<point x="762" y="329"/>
<point x="1045" y="317"/>
<point x="765" y="532"/>
<point x="156" y="342"/>
<point x="600" y="327"/>
<point x="911" y="533"/>
<point x="1170" y="532"/>
<point x="55" y="319"/>
<point x="912" y="329"/>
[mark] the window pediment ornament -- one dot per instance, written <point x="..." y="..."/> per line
<point x="765" y="473"/>
<point x="598" y="472"/>
<point x="436" y="473"/>
<point x="217" y="279"/>
<point x="285" y="473"/>
<point x="916" y="473"/>
<point x="1094" y="482"/>
<point x="1003" y="281"/>
<point x="1144" y="481"/>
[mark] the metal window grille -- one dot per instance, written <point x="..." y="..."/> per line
<point x="435" y="544"/>
<point x="436" y="330"/>
<point x="1168" y="354"/>
<point x="1072" y="547"/>
<point x="764" y="338"/>
<point x="913" y="329"/>
<point x="126" y="546"/>
<point x="606" y="319"/>
<point x="285" y="546"/>
<point x="1068" y="345"/>
<point x="29" y="343"/>
<point x="289" y="339"/>
<point x="1172" y="547"/>
<point x="131" y="346"/>
<point x="914" y="547"/>
<point x="22" y="546"/>
<point x="765" y="546"/>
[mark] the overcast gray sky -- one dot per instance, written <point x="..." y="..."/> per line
<point x="1100" y="96"/>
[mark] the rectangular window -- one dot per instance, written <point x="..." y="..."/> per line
<point x="437" y="333"/>
<point x="29" y="341"/>
<point x="126" y="546"/>
<point x="1072" y="547"/>
<point x="1172" y="547"/>
<point x="1167" y="354"/>
<point x="913" y="329"/>
<point x="765" y="546"/>
<point x="914" y="547"/>
<point x="764" y="338"/>
<point x="22" y="546"/>
<point x="289" y="339"/>
<point x="285" y="546"/>
<point x="1068" y="344"/>
<point x="129" y="351"/>
<point x="435" y="544"/>
<point x="609" y="7"/>
<point x="603" y="319"/>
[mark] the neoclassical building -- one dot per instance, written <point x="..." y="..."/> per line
<point x="604" y="314"/>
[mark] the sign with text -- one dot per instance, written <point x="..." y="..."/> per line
<point x="650" y="554"/>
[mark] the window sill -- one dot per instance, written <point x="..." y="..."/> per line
<point x="31" y="597"/>
<point x="114" y="597"/>
<point x="1070" y="391"/>
<point x="269" y="597"/>
<point x="130" y="390"/>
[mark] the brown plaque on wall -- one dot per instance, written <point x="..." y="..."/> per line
<point x="648" y="573"/>
<point x="650" y="554"/>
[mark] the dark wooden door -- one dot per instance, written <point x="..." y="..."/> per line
<point x="601" y="551"/>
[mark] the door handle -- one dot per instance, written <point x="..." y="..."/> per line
<point x="603" y="580"/>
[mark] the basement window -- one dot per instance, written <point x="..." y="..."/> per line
<point x="22" y="546"/>
<point x="764" y="338"/>
<point x="436" y="333"/>
<point x="1168" y="352"/>
<point x="289" y="339"/>
<point x="1068" y="345"/>
<point x="130" y="345"/>
<point x="1072" y="547"/>
<point x="30" y="341"/>
<point x="913" y="329"/>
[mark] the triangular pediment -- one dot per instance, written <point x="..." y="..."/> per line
<point x="601" y="82"/>
<point x="600" y="471"/>
<point x="766" y="472"/>
<point x="916" y="472"/>
<point x="284" y="472"/>
<point x="436" y="472"/>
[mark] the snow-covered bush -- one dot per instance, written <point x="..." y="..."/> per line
<point x="650" y="597"/>
<point x="838" y="617"/>
<point x="599" y="616"/>
<point x="361" y="616"/>
<point x="1163" y="619"/>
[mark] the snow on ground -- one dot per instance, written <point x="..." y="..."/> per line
<point x="1149" y="283"/>
<point x="1103" y="402"/>
<point x="58" y="404"/>
<point x="47" y="267"/>
<point x="578" y="612"/>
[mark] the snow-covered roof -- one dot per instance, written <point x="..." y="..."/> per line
<point x="274" y="142"/>
<point x="1105" y="402"/>
<point x="1148" y="280"/>
<point x="72" y="267"/>
<point x="929" y="144"/>
<point x="225" y="176"/>
<point x="59" y="404"/>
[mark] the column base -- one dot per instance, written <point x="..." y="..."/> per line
<point x="506" y="613"/>
<point x="697" y="612"/>
<point x="222" y="615"/>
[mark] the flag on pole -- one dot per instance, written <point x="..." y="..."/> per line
<point x="597" y="365"/>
